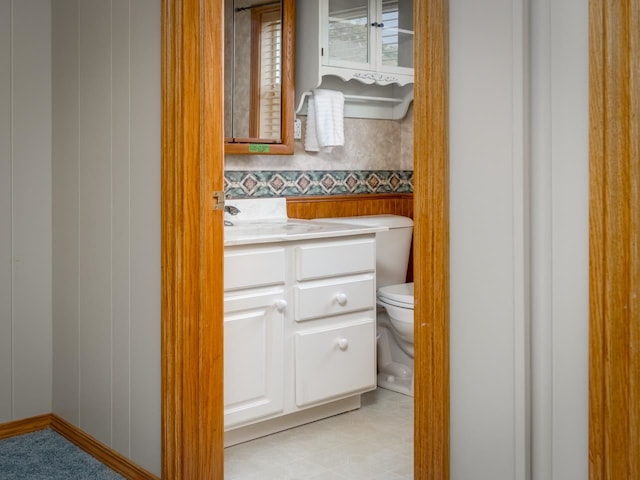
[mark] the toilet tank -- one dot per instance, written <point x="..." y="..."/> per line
<point x="392" y="246"/>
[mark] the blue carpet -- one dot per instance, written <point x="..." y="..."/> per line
<point x="47" y="455"/>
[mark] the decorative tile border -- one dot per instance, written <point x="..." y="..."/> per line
<point x="238" y="184"/>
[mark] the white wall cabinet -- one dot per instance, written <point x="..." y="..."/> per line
<point x="363" y="48"/>
<point x="371" y="39"/>
<point x="300" y="339"/>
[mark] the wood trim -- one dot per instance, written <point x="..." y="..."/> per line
<point x="114" y="460"/>
<point x="288" y="87"/>
<point x="614" y="368"/>
<point x="192" y="240"/>
<point x="350" y="205"/>
<point x="27" y="425"/>
<point x="431" y="240"/>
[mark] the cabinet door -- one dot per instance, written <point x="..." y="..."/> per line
<point x="346" y="31"/>
<point x="253" y="357"/>
<point x="395" y="36"/>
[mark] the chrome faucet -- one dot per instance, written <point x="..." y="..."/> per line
<point x="231" y="210"/>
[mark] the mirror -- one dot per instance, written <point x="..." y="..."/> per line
<point x="259" y="71"/>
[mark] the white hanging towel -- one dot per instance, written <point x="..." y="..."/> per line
<point x="325" y="120"/>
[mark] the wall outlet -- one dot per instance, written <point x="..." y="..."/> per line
<point x="297" y="129"/>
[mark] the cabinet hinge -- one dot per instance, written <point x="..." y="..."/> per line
<point x="218" y="200"/>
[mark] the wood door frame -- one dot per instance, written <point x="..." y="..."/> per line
<point x="192" y="245"/>
<point x="192" y="239"/>
<point x="614" y="239"/>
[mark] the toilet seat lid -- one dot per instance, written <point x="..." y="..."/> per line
<point x="400" y="295"/>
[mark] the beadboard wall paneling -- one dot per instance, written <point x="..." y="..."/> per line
<point x="25" y="212"/>
<point x="5" y="212"/>
<point x="65" y="211"/>
<point x="106" y="245"/>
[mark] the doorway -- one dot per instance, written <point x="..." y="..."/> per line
<point x="192" y="235"/>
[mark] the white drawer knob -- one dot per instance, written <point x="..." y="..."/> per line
<point x="341" y="298"/>
<point x="343" y="344"/>
<point x="280" y="305"/>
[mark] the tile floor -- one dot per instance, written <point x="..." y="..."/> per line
<point x="373" y="443"/>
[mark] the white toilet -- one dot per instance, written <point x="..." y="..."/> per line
<point x="395" y="299"/>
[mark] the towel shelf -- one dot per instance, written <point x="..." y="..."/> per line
<point x="365" y="98"/>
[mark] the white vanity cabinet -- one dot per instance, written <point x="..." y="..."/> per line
<point x="300" y="336"/>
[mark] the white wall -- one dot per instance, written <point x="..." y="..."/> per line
<point x="519" y="235"/>
<point x="488" y="257"/>
<point x="25" y="209"/>
<point x="106" y="236"/>
<point x="560" y="275"/>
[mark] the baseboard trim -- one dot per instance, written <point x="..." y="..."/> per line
<point x="99" y="450"/>
<point x="27" y="425"/>
<point x="114" y="460"/>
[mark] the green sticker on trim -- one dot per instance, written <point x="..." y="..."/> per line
<point x="259" y="148"/>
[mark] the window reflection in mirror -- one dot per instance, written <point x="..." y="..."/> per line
<point x="257" y="61"/>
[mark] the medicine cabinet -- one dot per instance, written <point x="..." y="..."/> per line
<point x="259" y="76"/>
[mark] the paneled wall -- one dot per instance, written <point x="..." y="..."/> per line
<point x="25" y="208"/>
<point x="560" y="238"/>
<point x="488" y="257"/>
<point x="106" y="217"/>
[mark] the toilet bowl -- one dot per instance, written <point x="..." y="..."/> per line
<point x="395" y="341"/>
<point x="398" y="302"/>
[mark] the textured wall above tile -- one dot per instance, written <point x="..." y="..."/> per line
<point x="369" y="145"/>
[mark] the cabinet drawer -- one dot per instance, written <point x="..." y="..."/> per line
<point x="327" y="298"/>
<point x="335" y="362"/>
<point x="253" y="268"/>
<point x="335" y="259"/>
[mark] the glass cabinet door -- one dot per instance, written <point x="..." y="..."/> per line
<point x="349" y="32"/>
<point x="396" y="34"/>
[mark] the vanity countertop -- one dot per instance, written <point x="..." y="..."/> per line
<point x="269" y="231"/>
<point x="264" y="220"/>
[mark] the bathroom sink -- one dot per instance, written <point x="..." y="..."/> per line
<point x="289" y="227"/>
<point x="289" y="230"/>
